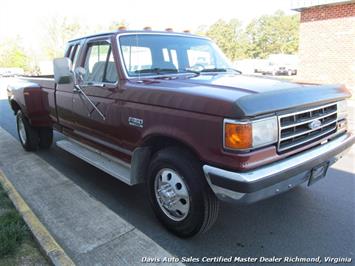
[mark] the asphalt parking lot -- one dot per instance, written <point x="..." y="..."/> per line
<point x="305" y="222"/>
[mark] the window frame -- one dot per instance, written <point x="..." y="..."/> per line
<point x="75" y="53"/>
<point x="68" y="50"/>
<point x="92" y="42"/>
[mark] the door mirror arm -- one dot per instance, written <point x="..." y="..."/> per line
<point x="79" y="75"/>
<point x="78" y="89"/>
<point x="91" y="84"/>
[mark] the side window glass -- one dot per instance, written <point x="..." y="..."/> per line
<point x="111" y="71"/>
<point x="72" y="52"/>
<point x="95" y="62"/>
<point x="75" y="55"/>
<point x="68" y="51"/>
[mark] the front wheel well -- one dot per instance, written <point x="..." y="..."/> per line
<point x="15" y="106"/>
<point x="157" y="143"/>
<point x="144" y="153"/>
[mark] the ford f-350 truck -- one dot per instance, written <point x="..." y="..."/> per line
<point x="167" y="109"/>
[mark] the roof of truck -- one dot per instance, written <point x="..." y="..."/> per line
<point x="118" y="32"/>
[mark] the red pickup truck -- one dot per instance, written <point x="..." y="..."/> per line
<point x="167" y="109"/>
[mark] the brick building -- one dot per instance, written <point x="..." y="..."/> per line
<point x="327" y="41"/>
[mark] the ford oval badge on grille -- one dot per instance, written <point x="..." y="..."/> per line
<point x="315" y="124"/>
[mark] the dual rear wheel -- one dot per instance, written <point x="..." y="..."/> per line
<point x="180" y="196"/>
<point x="32" y="138"/>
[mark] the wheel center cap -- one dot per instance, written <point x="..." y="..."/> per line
<point x="167" y="195"/>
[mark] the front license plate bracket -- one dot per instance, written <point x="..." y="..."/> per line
<point x="318" y="173"/>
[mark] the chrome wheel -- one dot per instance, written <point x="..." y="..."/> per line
<point x="172" y="194"/>
<point x="21" y="131"/>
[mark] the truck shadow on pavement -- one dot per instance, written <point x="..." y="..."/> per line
<point x="302" y="222"/>
<point x="314" y="221"/>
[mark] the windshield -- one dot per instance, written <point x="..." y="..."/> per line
<point x="149" y="54"/>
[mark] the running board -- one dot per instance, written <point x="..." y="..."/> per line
<point x="113" y="166"/>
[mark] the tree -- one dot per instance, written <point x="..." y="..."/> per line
<point x="229" y="36"/>
<point x="59" y="30"/>
<point x="12" y="54"/>
<point x="273" y="34"/>
<point x="268" y="34"/>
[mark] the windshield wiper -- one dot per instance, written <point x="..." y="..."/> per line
<point x="214" y="70"/>
<point x="220" y="70"/>
<point x="156" y="71"/>
<point x="235" y="70"/>
<point x="191" y="71"/>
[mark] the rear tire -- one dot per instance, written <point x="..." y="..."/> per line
<point x="28" y="135"/>
<point x="185" y="203"/>
<point x="45" y="137"/>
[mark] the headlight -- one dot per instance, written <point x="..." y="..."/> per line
<point x="342" y="109"/>
<point x="248" y="135"/>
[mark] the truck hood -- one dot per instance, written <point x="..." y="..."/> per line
<point x="231" y="95"/>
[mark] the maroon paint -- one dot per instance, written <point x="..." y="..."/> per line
<point x="189" y="110"/>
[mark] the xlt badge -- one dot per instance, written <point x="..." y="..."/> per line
<point x="136" y="122"/>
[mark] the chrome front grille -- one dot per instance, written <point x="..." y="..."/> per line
<point x="303" y="127"/>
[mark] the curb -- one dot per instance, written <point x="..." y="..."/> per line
<point x="51" y="249"/>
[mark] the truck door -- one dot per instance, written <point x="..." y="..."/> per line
<point x="64" y="92"/>
<point x="100" y="85"/>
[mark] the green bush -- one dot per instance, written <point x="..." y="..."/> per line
<point x="5" y="202"/>
<point x="12" y="232"/>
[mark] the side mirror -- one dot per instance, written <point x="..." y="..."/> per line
<point x="79" y="74"/>
<point x="62" y="70"/>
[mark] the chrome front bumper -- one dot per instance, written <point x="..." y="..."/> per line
<point x="275" y="178"/>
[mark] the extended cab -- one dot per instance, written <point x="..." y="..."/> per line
<point x="167" y="109"/>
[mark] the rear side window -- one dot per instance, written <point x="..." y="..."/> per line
<point x="68" y="51"/>
<point x="75" y="55"/>
<point x="99" y="64"/>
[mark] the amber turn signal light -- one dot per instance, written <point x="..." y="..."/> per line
<point x="238" y="136"/>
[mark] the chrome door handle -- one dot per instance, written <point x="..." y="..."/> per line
<point x="76" y="89"/>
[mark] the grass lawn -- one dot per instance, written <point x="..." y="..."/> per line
<point x="17" y="246"/>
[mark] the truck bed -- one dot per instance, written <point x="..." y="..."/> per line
<point x="45" y="81"/>
<point x="35" y="96"/>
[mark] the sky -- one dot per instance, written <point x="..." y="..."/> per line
<point x="27" y="18"/>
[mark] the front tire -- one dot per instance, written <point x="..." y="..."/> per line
<point x="28" y="135"/>
<point x="179" y="194"/>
